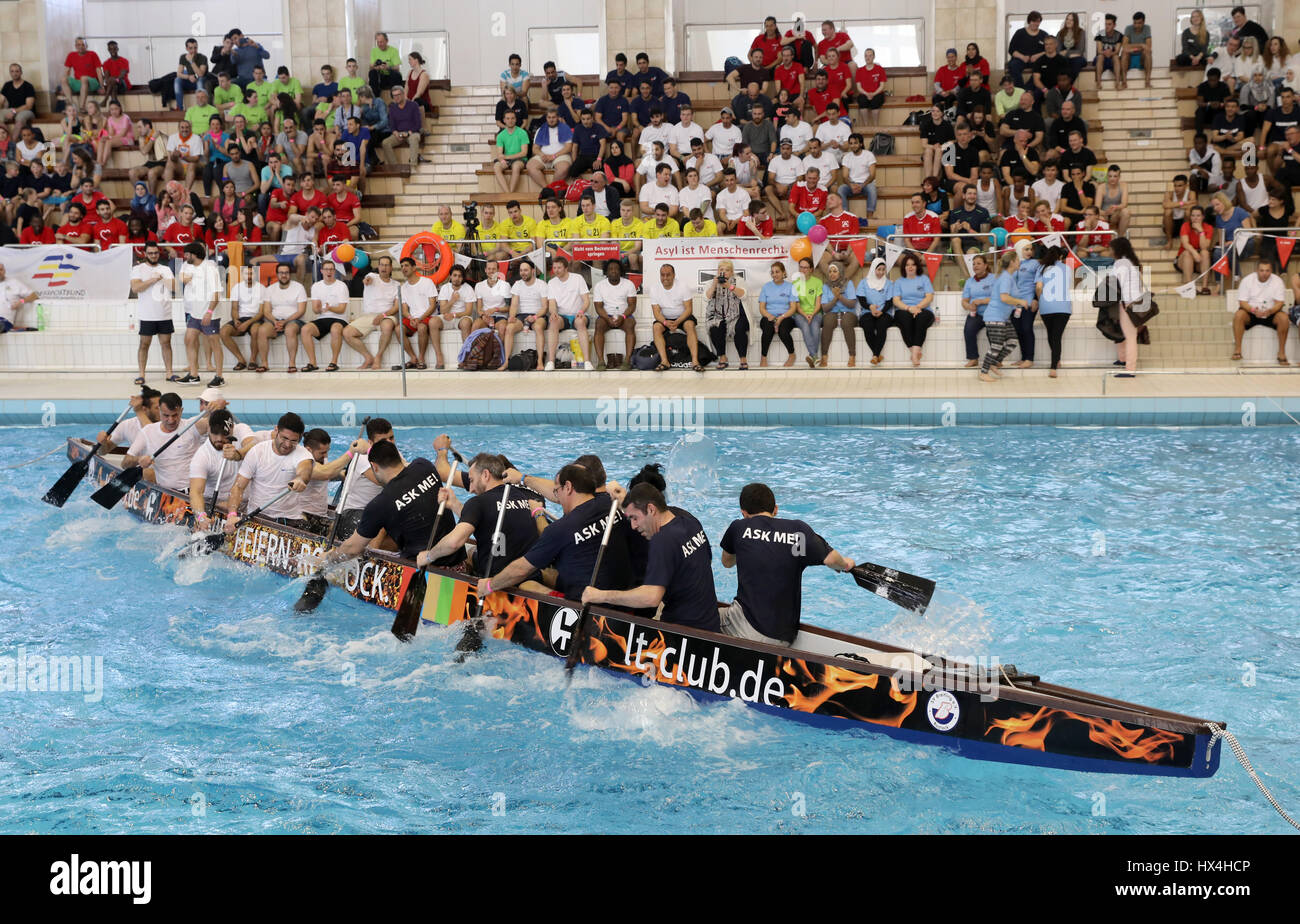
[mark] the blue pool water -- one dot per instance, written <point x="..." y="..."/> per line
<point x="1156" y="566"/>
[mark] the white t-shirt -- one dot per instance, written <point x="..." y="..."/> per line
<point x="466" y="293"/>
<point x="532" y="298"/>
<point x="285" y="301"/>
<point x="209" y="464"/>
<point x="734" y="204"/>
<point x="652" y="194"/>
<point x="296" y="237"/>
<point x="379" y="295"/>
<point x="126" y="432"/>
<point x="192" y="147"/>
<point x="416" y="295"/>
<point x="825" y="165"/>
<point x="155" y="301"/>
<point x="650" y="134"/>
<point x="333" y="298"/>
<point x="858" y="166"/>
<point x="615" y="298"/>
<point x="672" y="302"/>
<point x="1261" y="294"/>
<point x="1257" y="196"/>
<point x="494" y="299"/>
<point x="11" y="290"/>
<point x="723" y="139"/>
<point x="682" y="135"/>
<point x="830" y="131"/>
<point x="709" y="166"/>
<point x="785" y="170"/>
<point x="799" y="134"/>
<point x="316" y="497"/>
<point x="200" y="283"/>
<point x="249" y="297"/>
<point x="567" y="294"/>
<point x="172" y="468"/>
<point x="361" y="490"/>
<point x="649" y="165"/>
<point x="1051" y="192"/>
<point x="269" y="474"/>
<point x="701" y="197"/>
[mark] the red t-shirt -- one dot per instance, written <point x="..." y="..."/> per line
<point x="871" y="78"/>
<point x="771" y="48"/>
<point x="949" y="78"/>
<point x="844" y="224"/>
<point x="85" y="64"/>
<point x="1014" y="224"/>
<point x="329" y="235"/>
<point x="837" y="79"/>
<point x="1099" y="237"/>
<point x="302" y="203"/>
<point x="838" y="40"/>
<point x="928" y="223"/>
<point x="110" y="232"/>
<point x="178" y="233"/>
<point x="820" y="99"/>
<point x="803" y="199"/>
<point x="117" y="67"/>
<point x="790" y="77"/>
<point x="277" y="209"/>
<point x="31" y="237"/>
<point x="137" y="243"/>
<point x="95" y="197"/>
<point x="346" y="207"/>
<point x="765" y="229"/>
<point x="1055" y="223"/>
<point x="797" y="44"/>
<point x="70" y="228"/>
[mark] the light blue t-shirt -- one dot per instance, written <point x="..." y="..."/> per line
<point x="1056" y="289"/>
<point x="912" y="290"/>
<point x="1026" y="276"/>
<point x="828" y="296"/>
<point x="979" y="288"/>
<point x="876" y="298"/>
<point x="517" y="82"/>
<point x="777" y="298"/>
<point x="999" y="311"/>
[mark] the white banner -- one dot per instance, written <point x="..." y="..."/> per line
<point x="56" y="273"/>
<point x="696" y="259"/>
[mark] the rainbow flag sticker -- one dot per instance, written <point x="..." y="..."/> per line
<point x="444" y="600"/>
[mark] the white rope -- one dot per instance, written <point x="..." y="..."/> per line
<point x="1240" y="753"/>
<point x="61" y="449"/>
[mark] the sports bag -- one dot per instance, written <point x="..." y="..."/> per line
<point x="482" y="350"/>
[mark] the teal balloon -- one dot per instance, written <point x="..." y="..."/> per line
<point x="805" y="222"/>
<point x="361" y="260"/>
<point x="886" y="231"/>
<point x="998" y="237"/>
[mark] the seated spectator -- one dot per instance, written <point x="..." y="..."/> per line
<point x="612" y="112"/>
<point x="806" y="196"/>
<point x="510" y="153"/>
<point x="1284" y="160"/>
<point x="1206" y="173"/>
<point x="732" y="205"/>
<point x="708" y="166"/>
<point x="724" y="136"/>
<point x="1077" y="195"/>
<point x="191" y="73"/>
<point x="1195" y="240"/>
<point x="351" y="153"/>
<point x="824" y="161"/>
<point x="1114" y="201"/>
<point x="554" y="82"/>
<point x="553" y="144"/>
<point x="345" y="204"/>
<point x="185" y="155"/>
<point x="1056" y="98"/>
<point x="1094" y="246"/>
<point x="385" y="66"/>
<point x="626" y="78"/>
<point x="1047" y="69"/>
<point x="1211" y="94"/>
<point x="644" y="71"/>
<point x="782" y="173"/>
<point x="1109" y="42"/>
<point x="227" y="203"/>
<point x="870" y="81"/>
<point x="1260" y="298"/>
<point x="859" y="172"/>
<point x="1228" y="130"/>
<point x="240" y="172"/>
<point x="37" y="231"/>
<point x="671" y="303"/>
<point x="1049" y="188"/>
<point x="515" y="77"/>
<point x="1076" y="155"/>
<point x="912" y="298"/>
<point x="698" y="225"/>
<point x="1174" y="207"/>
<point x="961" y="166"/>
<point x="968" y="218"/>
<point x="569" y="106"/>
<point x="1058" y="134"/>
<point x="291" y="143"/>
<point x="226" y="96"/>
<point x="1025" y="48"/>
<point x="1285" y="115"/>
<point x="1228" y="219"/>
<point x="352" y="82"/>
<point x="1274" y="221"/>
<point x="1070" y="41"/>
<point x="973" y="94"/>
<point x="1256" y="100"/>
<point x="322" y="96"/>
<point x="620" y="169"/>
<point x="405" y="123"/>
<point x="797" y="131"/>
<point x="83" y="73"/>
<point x="221" y="61"/>
<point x="757" y="222"/>
<point x="788" y="74"/>
<point x="839" y="80"/>
<point x="590" y="143"/>
<point x="935" y="131"/>
<point x="672" y="101"/>
<point x="119" y="132"/>
<point x="744" y="104"/>
<point x="20" y="100"/>
<point x="660" y="193"/>
<point x="1007" y="99"/>
<point x="1026" y="117"/>
<point x="1194" y="43"/>
<point x="947" y="81"/>
<point x="200" y="114"/>
<point x="343" y="110"/>
<point x="769" y="43"/>
<point x="1045" y="221"/>
<point x="1135" y="50"/>
<point x="1229" y="64"/>
<point x="1280" y="66"/>
<point x="285" y="97"/>
<point x="921" y="227"/>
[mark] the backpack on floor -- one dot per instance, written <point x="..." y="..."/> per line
<point x="644" y="357"/>
<point x="482" y="350"/>
<point x="522" y="361"/>
<point x="679" y="352"/>
<point x="882" y="145"/>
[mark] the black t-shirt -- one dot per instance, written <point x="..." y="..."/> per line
<point x="968" y="99"/>
<point x="518" y="529"/>
<point x="771" y="555"/>
<point x="932" y="132"/>
<point x="1212" y="93"/>
<point x="1223" y="128"/>
<point x="978" y="218"/>
<point x="749" y="74"/>
<point x="1019" y="118"/>
<point x="680" y="560"/>
<point x="18" y="96"/>
<point x="1281" y="121"/>
<point x="1011" y="158"/>
<point x="555" y="88"/>
<point x="1025" y="43"/>
<point x="967" y="159"/>
<point x="1061" y="128"/>
<point x="1288" y="174"/>
<point x="1048" y="67"/>
<point x="571" y="544"/>
<point x="1070" y="195"/>
<point x="520" y="109"/>
<point x="405" y="510"/>
<point x="1069" y="160"/>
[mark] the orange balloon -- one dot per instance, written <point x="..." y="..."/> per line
<point x="801" y="249"/>
<point x="345" y="253"/>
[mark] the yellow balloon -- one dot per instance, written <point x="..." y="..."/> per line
<point x="801" y="249"/>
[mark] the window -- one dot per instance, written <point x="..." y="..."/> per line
<point x="575" y="50"/>
<point x="431" y="45"/>
<point x="158" y="54"/>
<point x="1218" y="20"/>
<point x="898" y="43"/>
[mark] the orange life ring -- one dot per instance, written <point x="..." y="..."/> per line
<point x="434" y="248"/>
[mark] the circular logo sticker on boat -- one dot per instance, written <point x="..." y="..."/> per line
<point x="942" y="710"/>
<point x="562" y="626"/>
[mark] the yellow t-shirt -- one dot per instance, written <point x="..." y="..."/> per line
<point x="650" y="229"/>
<point x="455" y="233"/>
<point x="506" y="229"/>
<point x="710" y="229"/>
<point x="553" y="231"/>
<point x="581" y="229"/>
<point x="626" y="234"/>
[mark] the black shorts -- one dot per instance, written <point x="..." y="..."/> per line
<point x="150" y="164"/>
<point x="151" y="328"/>
<point x="325" y="325"/>
<point x="1257" y="321"/>
<point x="871" y="102"/>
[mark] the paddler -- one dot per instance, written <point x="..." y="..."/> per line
<point x="267" y="469"/>
<point x="242" y="436"/>
<point x="770" y="555"/>
<point x="316" y="497"/>
<point x="521" y="523"/>
<point x="145" y="408"/>
<point x="679" y="563"/>
<point x="171" y="470"/>
<point x="365" y="483"/>
<point x="212" y="468"/>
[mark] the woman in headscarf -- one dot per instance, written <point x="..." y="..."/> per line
<point x="144" y="205"/>
<point x="726" y="314"/>
<point x="877" y="314"/>
<point x="840" y="309"/>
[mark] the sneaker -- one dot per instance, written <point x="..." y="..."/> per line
<point x="189" y="380"/>
<point x="550" y="366"/>
<point x="217" y="382"/>
<point x="588" y="367"/>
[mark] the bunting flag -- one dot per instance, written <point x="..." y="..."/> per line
<point x="932" y="261"/>
<point x="1072" y="261"/>
<point x="817" y="251"/>
<point x="396" y="251"/>
<point x="561" y="252"/>
<point x="1187" y="291"/>
<point x="1240" y="240"/>
<point x="969" y="259"/>
<point x="537" y="258"/>
<point x="1053" y="240"/>
<point x="1284" y="247"/>
<point x="462" y="260"/>
<point x="892" y="253"/>
<point x="859" y="249"/>
<point x="1221" y="266"/>
<point x="503" y="267"/>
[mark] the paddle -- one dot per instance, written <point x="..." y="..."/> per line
<point x="112" y="493"/>
<point x="210" y="542"/>
<point x="579" y="633"/>
<point x="316" y="587"/>
<point x="408" y="611"/>
<point x="58" y="495"/>
<point x="906" y="590"/>
<point x="471" y="640"/>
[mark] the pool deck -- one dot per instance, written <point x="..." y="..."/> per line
<point x="630" y="400"/>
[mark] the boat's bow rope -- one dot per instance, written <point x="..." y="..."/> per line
<point x="1240" y="753"/>
<point x="37" y="459"/>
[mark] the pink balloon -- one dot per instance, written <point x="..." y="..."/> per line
<point x="817" y="234"/>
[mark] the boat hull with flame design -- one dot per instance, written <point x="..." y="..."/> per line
<point x="827" y="678"/>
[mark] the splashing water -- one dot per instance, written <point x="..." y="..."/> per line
<point x="692" y="470"/>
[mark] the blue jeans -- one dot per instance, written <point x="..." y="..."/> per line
<point x="868" y="193"/>
<point x="179" y="86"/>
<point x="811" y="328"/>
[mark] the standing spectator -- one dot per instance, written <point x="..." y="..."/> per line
<point x="117" y="73"/>
<point x="1052" y="292"/>
<point x="870" y="81"/>
<point x="1260" y="297"/>
<point x="1026" y="47"/>
<point x="153" y="285"/>
<point x="222" y="60"/>
<point x="247" y="54"/>
<point x="1109" y="42"/>
<point x="1127" y="271"/>
<point x="997" y="317"/>
<point x="554" y="146"/>
<point x="82" y="74"/>
<point x="385" y="66"/>
<point x="1243" y="27"/>
<point x="1136" y="50"/>
<point x="975" y="297"/>
<point x="1070" y="41"/>
<point x="405" y="122"/>
<point x="201" y="287"/>
<point x="20" y="100"/>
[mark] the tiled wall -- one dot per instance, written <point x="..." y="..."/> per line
<point x="22" y="39"/>
<point x="957" y="22"/>
<point x="633" y="26"/>
<point x="318" y="36"/>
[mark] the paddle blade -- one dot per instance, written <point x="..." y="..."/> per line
<point x="312" y="594"/>
<point x="111" y="494"/>
<point x="408" y="611"/>
<point x="576" y="644"/>
<point x="203" y="545"/>
<point x="470" y="640"/>
<point x="58" y="495"/>
<point x="909" y="591"/>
